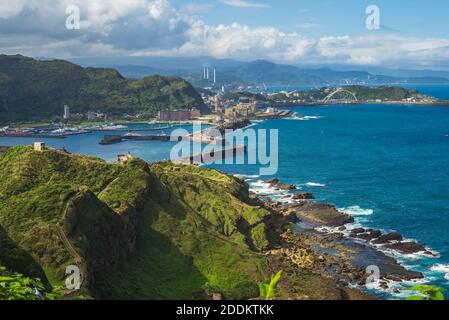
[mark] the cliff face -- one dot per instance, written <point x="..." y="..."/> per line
<point x="33" y="89"/>
<point x="161" y="232"/>
<point x="164" y="232"/>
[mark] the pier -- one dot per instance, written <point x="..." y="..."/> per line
<point x="201" y="158"/>
<point x="113" y="139"/>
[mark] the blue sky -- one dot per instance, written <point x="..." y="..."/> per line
<point x="413" y="34"/>
<point x="332" y="17"/>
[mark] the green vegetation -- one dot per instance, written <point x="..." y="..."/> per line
<point x="363" y="93"/>
<point x="14" y="286"/>
<point x="136" y="231"/>
<point x="267" y="289"/>
<point x="32" y="90"/>
<point x="165" y="232"/>
<point x="383" y="93"/>
<point x="427" y="293"/>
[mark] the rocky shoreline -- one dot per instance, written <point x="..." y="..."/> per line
<point x="324" y="242"/>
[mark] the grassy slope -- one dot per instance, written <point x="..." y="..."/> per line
<point x="188" y="244"/>
<point x="32" y="89"/>
<point x="159" y="232"/>
<point x="185" y="218"/>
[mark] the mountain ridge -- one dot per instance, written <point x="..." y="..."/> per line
<point x="33" y="89"/>
<point x="229" y="72"/>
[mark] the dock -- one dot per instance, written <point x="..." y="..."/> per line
<point x="113" y="139"/>
<point x="200" y="158"/>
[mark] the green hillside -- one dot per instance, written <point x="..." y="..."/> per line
<point x="136" y="231"/>
<point x="164" y="232"/>
<point x="32" y="89"/>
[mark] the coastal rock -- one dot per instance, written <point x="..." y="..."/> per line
<point x="386" y="238"/>
<point x="407" y="247"/>
<point x="368" y="236"/>
<point x="357" y="231"/>
<point x="287" y="187"/>
<point x="324" y="214"/>
<point x="303" y="196"/>
<point x="275" y="183"/>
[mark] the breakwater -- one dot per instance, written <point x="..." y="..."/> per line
<point x="213" y="155"/>
<point x="113" y="139"/>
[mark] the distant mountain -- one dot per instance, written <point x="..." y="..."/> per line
<point x="391" y="72"/>
<point x="260" y="72"/>
<point x="32" y="89"/>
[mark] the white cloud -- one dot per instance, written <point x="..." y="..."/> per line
<point x="245" y="4"/>
<point x="155" y="27"/>
<point x="196" y="8"/>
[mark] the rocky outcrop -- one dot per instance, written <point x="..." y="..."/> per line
<point x="324" y="214"/>
<point x="303" y="196"/>
<point x="276" y="184"/>
<point x="366" y="235"/>
<point x="390" y="241"/>
<point x="389" y="237"/>
<point x="408" y="248"/>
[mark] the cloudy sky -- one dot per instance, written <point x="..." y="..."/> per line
<point x="412" y="34"/>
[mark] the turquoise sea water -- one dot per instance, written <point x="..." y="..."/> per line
<point x="388" y="165"/>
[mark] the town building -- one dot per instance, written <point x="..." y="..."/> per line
<point x="66" y="112"/>
<point x="217" y="104"/>
<point x="195" y="113"/>
<point x="179" y="114"/>
<point x="38" y="146"/>
<point x="122" y="158"/>
<point x="242" y="110"/>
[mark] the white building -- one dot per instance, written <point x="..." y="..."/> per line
<point x="66" y="112"/>
<point x="38" y="146"/>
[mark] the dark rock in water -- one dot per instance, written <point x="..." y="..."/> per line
<point x="368" y="236"/>
<point x="357" y="231"/>
<point x="324" y="214"/>
<point x="386" y="238"/>
<point x="407" y="247"/>
<point x="384" y="285"/>
<point x="342" y="228"/>
<point x="304" y="196"/>
<point x="272" y="181"/>
<point x="275" y="183"/>
<point x="282" y="186"/>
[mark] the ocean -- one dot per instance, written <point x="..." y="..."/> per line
<point x="385" y="164"/>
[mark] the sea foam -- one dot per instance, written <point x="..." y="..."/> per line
<point x="315" y="184"/>
<point x="357" y="211"/>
